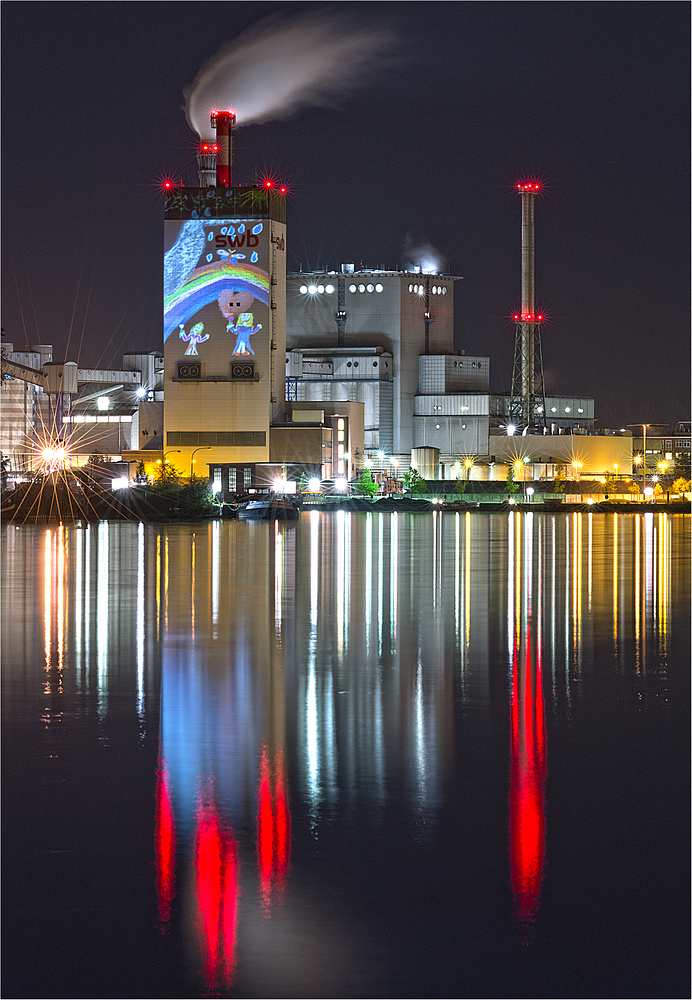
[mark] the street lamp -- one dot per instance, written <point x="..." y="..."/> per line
<point x="468" y="463"/>
<point x="175" y="451"/>
<point x="577" y="466"/>
<point x="192" y="456"/>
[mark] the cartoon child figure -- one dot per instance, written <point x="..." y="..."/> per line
<point x="194" y="337"/>
<point x="235" y="303"/>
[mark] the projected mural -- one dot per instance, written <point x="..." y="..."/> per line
<point x="216" y="287"/>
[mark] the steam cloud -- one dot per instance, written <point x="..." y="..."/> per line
<point x="420" y="253"/>
<point x="282" y="64"/>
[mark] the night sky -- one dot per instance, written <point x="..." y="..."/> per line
<point x="592" y="98"/>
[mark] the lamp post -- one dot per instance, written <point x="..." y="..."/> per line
<point x="644" y="426"/>
<point x="192" y="456"/>
<point x="175" y="451"/>
<point x="468" y="463"/>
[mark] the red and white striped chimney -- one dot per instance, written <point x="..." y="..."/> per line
<point x="224" y="122"/>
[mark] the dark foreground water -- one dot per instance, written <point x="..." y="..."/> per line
<point x="353" y="756"/>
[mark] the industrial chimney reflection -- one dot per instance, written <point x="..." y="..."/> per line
<point x="222" y="801"/>
<point x="216" y="886"/>
<point x="528" y="740"/>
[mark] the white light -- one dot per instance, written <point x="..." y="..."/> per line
<point x="329" y="289"/>
<point x="511" y="500"/>
<point x="103" y="402"/>
<point x="216" y="488"/>
<point x="579" y="410"/>
<point x="380" y="455"/>
<point x="361" y="288"/>
<point x="320" y="289"/>
<point x="368" y="463"/>
<point x="120" y="484"/>
<point x="312" y="289"/>
<point x="279" y="485"/>
<point x="553" y="409"/>
<point x="315" y="486"/>
<point x="590" y="500"/>
<point x="379" y="288"/>
<point x="303" y="289"/>
<point x="444" y="291"/>
<point x="341" y="485"/>
<point x="510" y="429"/>
<point x="410" y="288"/>
<point x="351" y="288"/>
<point x="648" y="492"/>
<point x="567" y="409"/>
<point x="529" y="491"/>
<point x="371" y="288"/>
<point x="141" y="392"/>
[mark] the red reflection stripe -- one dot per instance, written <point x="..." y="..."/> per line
<point x="217" y="878"/>
<point x="527" y="791"/>
<point x="208" y="871"/>
<point x="273" y="827"/>
<point x="165" y="846"/>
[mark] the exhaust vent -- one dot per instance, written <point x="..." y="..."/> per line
<point x="189" y="370"/>
<point x="243" y="371"/>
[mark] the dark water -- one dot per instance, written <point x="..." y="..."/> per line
<point x="353" y="756"/>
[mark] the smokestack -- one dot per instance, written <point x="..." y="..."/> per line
<point x="527" y="405"/>
<point x="224" y="122"/>
<point x="206" y="163"/>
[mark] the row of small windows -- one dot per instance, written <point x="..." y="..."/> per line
<point x="420" y="289"/>
<point x="366" y="288"/>
<point x="553" y="409"/>
<point x="319" y="289"/>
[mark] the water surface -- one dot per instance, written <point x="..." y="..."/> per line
<point x="355" y="755"/>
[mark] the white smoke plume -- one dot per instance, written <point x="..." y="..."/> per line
<point x="420" y="253"/>
<point x="284" y="63"/>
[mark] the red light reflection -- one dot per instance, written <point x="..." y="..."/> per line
<point x="165" y="846"/>
<point x="273" y="828"/>
<point x="216" y="871"/>
<point x="527" y="784"/>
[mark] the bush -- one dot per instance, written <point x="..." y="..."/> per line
<point x="414" y="482"/>
<point x="366" y="485"/>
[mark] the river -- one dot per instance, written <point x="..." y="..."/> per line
<point x="356" y="755"/>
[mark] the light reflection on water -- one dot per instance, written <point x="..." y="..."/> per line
<point x="299" y="679"/>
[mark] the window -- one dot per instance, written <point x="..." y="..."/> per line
<point x="351" y="288"/>
<point x="379" y="288"/>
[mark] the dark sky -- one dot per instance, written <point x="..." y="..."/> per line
<point x="593" y="98"/>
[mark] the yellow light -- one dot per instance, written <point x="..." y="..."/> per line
<point x="468" y="463"/>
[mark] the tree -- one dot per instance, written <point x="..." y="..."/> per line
<point x="512" y="487"/>
<point x="560" y="476"/>
<point x="682" y="466"/>
<point x="460" y="486"/>
<point x="303" y="483"/>
<point x="366" y="485"/>
<point x="414" y="482"/>
<point x="167" y="473"/>
<point x="680" y="486"/>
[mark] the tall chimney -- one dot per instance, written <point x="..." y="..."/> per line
<point x="224" y="122"/>
<point x="527" y="401"/>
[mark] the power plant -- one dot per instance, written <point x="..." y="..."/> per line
<point x="270" y="375"/>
